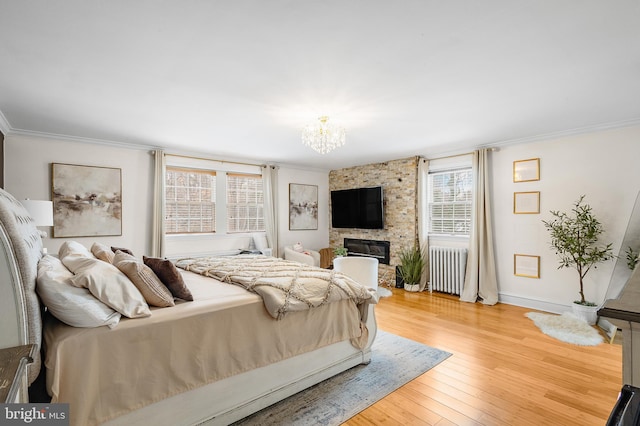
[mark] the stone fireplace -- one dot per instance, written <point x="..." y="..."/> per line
<point x="399" y="181"/>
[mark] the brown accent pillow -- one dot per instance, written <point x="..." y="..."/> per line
<point x="125" y="250"/>
<point x="102" y="252"/>
<point x="169" y="275"/>
<point x="152" y="289"/>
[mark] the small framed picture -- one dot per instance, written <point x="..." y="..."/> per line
<point x="526" y="170"/>
<point x="526" y="202"/>
<point x="525" y="265"/>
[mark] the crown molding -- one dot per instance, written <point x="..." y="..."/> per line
<point x="80" y="139"/>
<point x="566" y="133"/>
<point x="5" y="128"/>
<point x="537" y="138"/>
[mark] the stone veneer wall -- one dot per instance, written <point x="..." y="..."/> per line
<point x="398" y="179"/>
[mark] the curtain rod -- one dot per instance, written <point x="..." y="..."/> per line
<point x="494" y="149"/>
<point x="192" y="157"/>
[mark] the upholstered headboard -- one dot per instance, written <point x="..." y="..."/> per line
<point x="20" y="251"/>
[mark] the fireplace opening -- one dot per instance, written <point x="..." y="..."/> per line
<point x="368" y="248"/>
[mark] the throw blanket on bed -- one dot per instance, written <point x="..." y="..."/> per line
<point x="285" y="286"/>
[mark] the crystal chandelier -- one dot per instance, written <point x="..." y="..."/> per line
<point x="323" y="137"/>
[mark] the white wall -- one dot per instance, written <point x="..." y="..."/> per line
<point x="312" y="239"/>
<point x="605" y="167"/>
<point x="602" y="165"/>
<point x="28" y="175"/>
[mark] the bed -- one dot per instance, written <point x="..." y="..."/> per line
<point x="160" y="373"/>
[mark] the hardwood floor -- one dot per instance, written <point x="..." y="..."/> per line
<point x="503" y="371"/>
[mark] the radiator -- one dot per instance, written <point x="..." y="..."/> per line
<point x="446" y="269"/>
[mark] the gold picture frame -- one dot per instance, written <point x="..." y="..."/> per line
<point x="526" y="170"/>
<point x="526" y="202"/>
<point x="526" y="265"/>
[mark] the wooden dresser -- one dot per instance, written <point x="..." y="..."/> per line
<point x="624" y="313"/>
<point x="13" y="362"/>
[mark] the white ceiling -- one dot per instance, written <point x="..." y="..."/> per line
<point x="239" y="78"/>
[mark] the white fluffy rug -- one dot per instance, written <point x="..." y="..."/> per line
<point x="566" y="327"/>
<point x="384" y="292"/>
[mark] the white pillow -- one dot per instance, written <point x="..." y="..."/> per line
<point x="260" y="241"/>
<point x="108" y="284"/>
<point x="73" y="247"/>
<point x="71" y="305"/>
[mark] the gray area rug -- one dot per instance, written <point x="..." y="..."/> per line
<point x="395" y="361"/>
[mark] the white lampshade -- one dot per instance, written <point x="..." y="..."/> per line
<point x="40" y="210"/>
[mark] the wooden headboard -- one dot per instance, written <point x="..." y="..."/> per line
<point x="20" y="251"/>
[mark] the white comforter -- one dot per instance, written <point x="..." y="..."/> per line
<point x="285" y="286"/>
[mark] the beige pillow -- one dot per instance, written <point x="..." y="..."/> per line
<point x="154" y="292"/>
<point x="107" y="284"/>
<point x="102" y="252"/>
<point x="72" y="305"/>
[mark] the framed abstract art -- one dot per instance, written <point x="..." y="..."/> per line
<point x="87" y="200"/>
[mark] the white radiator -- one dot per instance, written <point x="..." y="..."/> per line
<point x="446" y="269"/>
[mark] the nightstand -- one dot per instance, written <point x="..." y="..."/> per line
<point x="13" y="362"/>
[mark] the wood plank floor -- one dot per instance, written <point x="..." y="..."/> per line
<point x="503" y="371"/>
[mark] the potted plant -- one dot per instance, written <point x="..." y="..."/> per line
<point x="574" y="237"/>
<point x="340" y="251"/>
<point x="632" y="258"/>
<point x="411" y="265"/>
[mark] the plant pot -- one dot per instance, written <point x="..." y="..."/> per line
<point x="411" y="287"/>
<point x="587" y="313"/>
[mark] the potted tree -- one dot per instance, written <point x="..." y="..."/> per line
<point x="340" y="251"/>
<point x="411" y="265"/>
<point x="574" y="237"/>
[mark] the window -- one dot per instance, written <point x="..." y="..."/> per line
<point x="450" y="200"/>
<point x="245" y="203"/>
<point x="190" y="201"/>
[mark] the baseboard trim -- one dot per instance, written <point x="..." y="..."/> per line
<point x="527" y="302"/>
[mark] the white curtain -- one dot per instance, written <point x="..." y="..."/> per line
<point x="270" y="188"/>
<point x="423" y="217"/>
<point x="157" y="233"/>
<point x="480" y="279"/>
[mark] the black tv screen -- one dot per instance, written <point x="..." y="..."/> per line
<point x="357" y="208"/>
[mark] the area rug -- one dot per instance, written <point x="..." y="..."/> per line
<point x="567" y="328"/>
<point x="395" y="361"/>
<point x="384" y="292"/>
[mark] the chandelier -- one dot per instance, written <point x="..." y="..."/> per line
<point x="322" y="136"/>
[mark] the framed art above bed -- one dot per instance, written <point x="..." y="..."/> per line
<point x="87" y="200"/>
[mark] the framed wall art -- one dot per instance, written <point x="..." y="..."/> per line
<point x="87" y="200"/>
<point x="525" y="265"/>
<point x="526" y="170"/>
<point x="526" y="202"/>
<point x="303" y="207"/>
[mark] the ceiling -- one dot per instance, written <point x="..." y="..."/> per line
<point x="238" y="79"/>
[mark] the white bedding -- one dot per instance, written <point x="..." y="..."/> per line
<point x="226" y="330"/>
<point x="285" y="286"/>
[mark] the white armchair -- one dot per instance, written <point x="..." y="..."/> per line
<point x="362" y="269"/>
<point x="313" y="258"/>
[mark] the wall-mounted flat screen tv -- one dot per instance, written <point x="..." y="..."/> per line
<point x="357" y="208"/>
